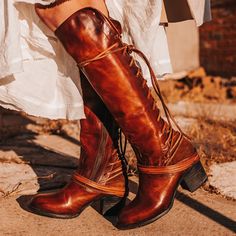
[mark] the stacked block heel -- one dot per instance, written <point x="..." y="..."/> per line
<point x="194" y="178"/>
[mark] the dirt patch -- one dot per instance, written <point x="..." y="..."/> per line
<point x="215" y="142"/>
<point x="200" y="88"/>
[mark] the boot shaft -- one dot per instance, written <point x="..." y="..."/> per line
<point x="98" y="137"/>
<point x="95" y="43"/>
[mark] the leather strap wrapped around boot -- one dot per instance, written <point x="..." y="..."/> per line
<point x="95" y="44"/>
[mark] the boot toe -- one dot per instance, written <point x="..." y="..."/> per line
<point x="126" y="218"/>
<point x="140" y="213"/>
<point x="131" y="216"/>
<point x="40" y="204"/>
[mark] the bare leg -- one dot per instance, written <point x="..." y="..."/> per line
<point x="56" y="13"/>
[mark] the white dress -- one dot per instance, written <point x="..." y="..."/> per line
<point x="38" y="77"/>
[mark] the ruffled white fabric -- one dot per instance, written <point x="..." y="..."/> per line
<point x="140" y="23"/>
<point x="38" y="77"/>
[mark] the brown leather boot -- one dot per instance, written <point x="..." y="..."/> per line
<point x="166" y="158"/>
<point x="100" y="172"/>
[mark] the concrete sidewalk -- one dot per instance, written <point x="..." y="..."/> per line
<point x="46" y="161"/>
<point x="192" y="214"/>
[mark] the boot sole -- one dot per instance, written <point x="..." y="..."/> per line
<point x="193" y="179"/>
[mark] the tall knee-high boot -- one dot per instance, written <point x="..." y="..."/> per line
<point x="100" y="171"/>
<point x="166" y="157"/>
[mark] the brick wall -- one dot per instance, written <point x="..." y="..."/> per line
<point x="218" y="40"/>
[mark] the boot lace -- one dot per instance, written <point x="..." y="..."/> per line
<point x="170" y="147"/>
